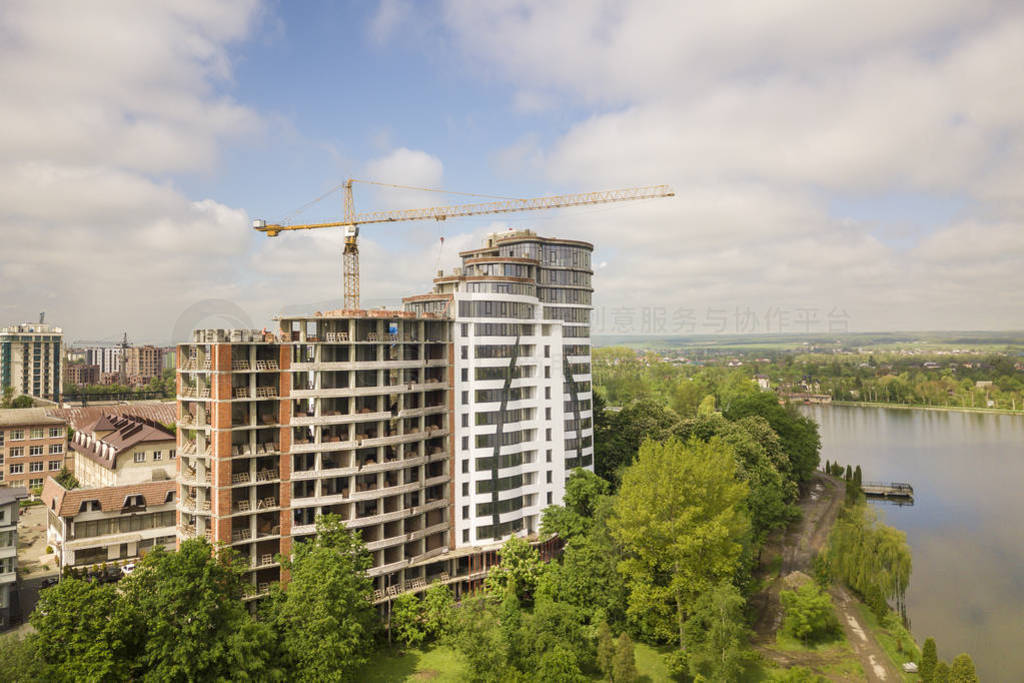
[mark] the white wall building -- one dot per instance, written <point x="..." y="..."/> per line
<point x="9" y="506"/>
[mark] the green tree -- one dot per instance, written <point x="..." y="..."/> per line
<point x="680" y="518"/>
<point x="407" y="619"/>
<point x="584" y="491"/>
<point x="476" y="633"/>
<point x="941" y="673"/>
<point x="809" y="614"/>
<point x="520" y="568"/>
<point x="438" y="604"/>
<point x="66" y="479"/>
<point x="716" y="634"/>
<point x="962" y="669"/>
<point x="8" y="397"/>
<point x="180" y="613"/>
<point x="624" y="663"/>
<point x="78" y="633"/>
<point x="325" y="618"/>
<point x="23" y="401"/>
<point x="929" y="658"/>
<point x="643" y="419"/>
<point x="797" y="433"/>
<point x="605" y="649"/>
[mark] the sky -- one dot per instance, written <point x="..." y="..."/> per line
<point x="837" y="166"/>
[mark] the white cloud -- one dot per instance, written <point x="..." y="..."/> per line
<point x="102" y="101"/>
<point x="758" y="115"/>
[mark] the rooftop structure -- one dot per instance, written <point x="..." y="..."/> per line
<point x="123" y="449"/>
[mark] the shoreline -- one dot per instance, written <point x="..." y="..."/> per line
<point x="904" y="406"/>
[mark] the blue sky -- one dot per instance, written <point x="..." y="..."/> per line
<point x="856" y="164"/>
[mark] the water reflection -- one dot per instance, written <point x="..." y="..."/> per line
<point x="967" y="587"/>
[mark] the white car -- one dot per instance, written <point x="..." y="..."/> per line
<point x="128" y="569"/>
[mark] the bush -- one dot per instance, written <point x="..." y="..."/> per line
<point x="809" y="614"/>
<point x="49" y="550"/>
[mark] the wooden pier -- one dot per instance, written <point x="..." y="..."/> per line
<point x="887" y="490"/>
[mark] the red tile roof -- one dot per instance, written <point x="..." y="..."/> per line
<point x="83" y="417"/>
<point x="111" y="498"/>
<point x="126" y="431"/>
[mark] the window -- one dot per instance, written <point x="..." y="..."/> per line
<point x="547" y="393"/>
<point x="465" y="466"/>
<point x="464" y="352"/>
<point x="465" y="488"/>
<point x="56" y="448"/>
<point x="465" y="398"/>
<point x="465" y="374"/>
<point x="465" y="512"/>
<point x="140" y="457"/>
<point x="35" y="450"/>
<point x="35" y="467"/>
<point x="465" y="329"/>
<point x="36" y="433"/>
<point x="547" y="372"/>
<point x="16" y="451"/>
<point x="547" y="433"/>
<point x="549" y="497"/>
<point x="547" y="413"/>
<point x="158" y="455"/>
<point x="17" y="434"/>
<point x="548" y="454"/>
<point x="55" y="432"/>
<point x="465" y="443"/>
<point x="465" y="419"/>
<point x="549" y="476"/>
<point x="172" y="454"/>
<point x="53" y="465"/>
<point x="34" y="483"/>
<point x="16" y="469"/>
<point x="465" y="535"/>
<point x="547" y="351"/>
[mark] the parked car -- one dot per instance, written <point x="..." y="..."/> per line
<point x="112" y="575"/>
<point x="128" y="568"/>
<point x="48" y="581"/>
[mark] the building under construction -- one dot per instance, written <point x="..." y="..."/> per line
<point x="438" y="431"/>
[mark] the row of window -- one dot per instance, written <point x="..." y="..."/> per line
<point x="496" y="309"/>
<point x="502" y="372"/>
<point x="570" y="424"/>
<point x="569" y="315"/>
<point x="501" y="350"/>
<point x="501" y="507"/>
<point x="573" y="278"/>
<point x="503" y="484"/>
<point x="576" y="331"/>
<point x="491" y="417"/>
<point x="495" y="395"/>
<point x="34" y="451"/>
<point x="579" y="368"/>
<point x="488" y="530"/>
<point x="577" y="443"/>
<point x="506" y="460"/>
<point x="581" y="388"/>
<point x="576" y="349"/>
<point x="140" y="456"/>
<point x="564" y="296"/>
<point x="499" y="329"/>
<point x="507" y="438"/>
<point x="584" y="405"/>
<point x="501" y="270"/>
<point x="120" y="525"/>
<point x="518" y="288"/>
<point x="34" y="433"/>
<point x="52" y="466"/>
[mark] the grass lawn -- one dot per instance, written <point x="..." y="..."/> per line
<point x="897" y="643"/>
<point x="440" y="663"/>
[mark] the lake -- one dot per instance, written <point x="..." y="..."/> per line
<point x="965" y="529"/>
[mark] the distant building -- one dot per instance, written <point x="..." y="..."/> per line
<point x="9" y="498"/>
<point x="32" y="444"/>
<point x="30" y="359"/>
<point x="109" y="378"/>
<point x="123" y="449"/>
<point x="90" y="526"/>
<point x="763" y="382"/>
<point x="81" y="373"/>
<point x="170" y="356"/>
<point x="143" y="363"/>
<point x="983" y="384"/>
<point x="108" y="358"/>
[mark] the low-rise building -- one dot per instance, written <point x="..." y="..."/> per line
<point x="32" y="445"/>
<point x="82" y="373"/>
<point x="123" y="449"/>
<point x="92" y="526"/>
<point x="9" y="498"/>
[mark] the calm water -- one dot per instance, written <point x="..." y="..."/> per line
<point x="965" y="529"/>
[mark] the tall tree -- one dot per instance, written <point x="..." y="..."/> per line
<point x="680" y="517"/>
<point x="624" y="663"/>
<point x="929" y="658"/>
<point x="716" y="634"/>
<point x="78" y="635"/>
<point x="643" y="419"/>
<point x="798" y="433"/>
<point x="584" y="491"/>
<point x="325" y="618"/>
<point x="407" y="619"/>
<point x="962" y="669"/>
<point x="519" y="569"/>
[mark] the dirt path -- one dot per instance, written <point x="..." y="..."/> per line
<point x="793" y="551"/>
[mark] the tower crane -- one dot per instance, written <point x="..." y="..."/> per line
<point x="351" y="220"/>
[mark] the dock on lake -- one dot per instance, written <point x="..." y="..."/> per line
<point x="887" y="490"/>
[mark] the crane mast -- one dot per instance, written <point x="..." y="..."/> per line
<point x="352" y="220"/>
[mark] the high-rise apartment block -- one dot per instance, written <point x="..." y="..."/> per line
<point x="437" y="431"/>
<point x="143" y="363"/>
<point x="108" y="358"/>
<point x="30" y="359"/>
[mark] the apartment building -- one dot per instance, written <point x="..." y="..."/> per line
<point x="340" y="413"/>
<point x="108" y="358"/>
<point x="9" y="507"/>
<point x="30" y="360"/>
<point x="520" y="308"/>
<point x="143" y="363"/>
<point x="82" y="373"/>
<point x="96" y="525"/>
<point x="123" y="449"/>
<point x="33" y="444"/>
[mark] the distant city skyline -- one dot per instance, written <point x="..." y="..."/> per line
<point x="861" y="163"/>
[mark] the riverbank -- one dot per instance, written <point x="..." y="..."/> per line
<point x="911" y="406"/>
